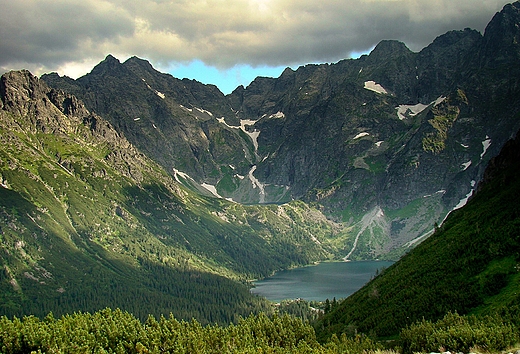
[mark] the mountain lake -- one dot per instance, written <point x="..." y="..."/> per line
<point x="319" y="282"/>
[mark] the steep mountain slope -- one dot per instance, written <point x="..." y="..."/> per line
<point x="176" y="122"/>
<point x="88" y="221"/>
<point x="388" y="143"/>
<point x="470" y="265"/>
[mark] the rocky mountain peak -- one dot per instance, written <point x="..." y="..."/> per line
<point x="111" y="60"/>
<point x="139" y="61"/>
<point x="140" y="67"/>
<point x="502" y="36"/>
<point x="48" y="109"/>
<point x="506" y="19"/>
<point x="110" y="64"/>
<point x="65" y="83"/>
<point x="389" y="49"/>
<point x="449" y="39"/>
<point x="20" y="92"/>
<point x="16" y="85"/>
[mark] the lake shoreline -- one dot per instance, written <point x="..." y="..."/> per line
<point x="318" y="282"/>
<point x="252" y="281"/>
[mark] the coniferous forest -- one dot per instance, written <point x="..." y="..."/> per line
<point x="116" y="331"/>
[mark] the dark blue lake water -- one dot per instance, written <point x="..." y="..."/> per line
<point x="319" y="282"/>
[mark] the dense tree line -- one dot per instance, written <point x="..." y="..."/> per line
<point x="458" y="333"/>
<point x="116" y="331"/>
<point x="153" y="289"/>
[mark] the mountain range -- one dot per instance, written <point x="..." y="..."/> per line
<point x="128" y="184"/>
<point x="388" y="143"/>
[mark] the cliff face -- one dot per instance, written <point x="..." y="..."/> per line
<point x="397" y="131"/>
<point x="162" y="116"/>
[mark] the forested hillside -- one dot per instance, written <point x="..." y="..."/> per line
<point x="470" y="265"/>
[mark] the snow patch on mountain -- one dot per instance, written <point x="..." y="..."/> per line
<point x="442" y="191"/>
<point x="223" y="121"/>
<point x="243" y="123"/>
<point x="439" y="100"/>
<point x="464" y="200"/>
<point x="466" y="165"/>
<point x="256" y="183"/>
<point x="277" y="115"/>
<point x="177" y="174"/>
<point x="360" y="135"/>
<point x="201" y="110"/>
<point x="485" y="145"/>
<point x="160" y="94"/>
<point x="410" y="110"/>
<point x="209" y="187"/>
<point x="212" y="189"/>
<point x="405" y="110"/>
<point x="374" y="86"/>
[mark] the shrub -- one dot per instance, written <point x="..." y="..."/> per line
<point x="459" y="333"/>
<point x="357" y="344"/>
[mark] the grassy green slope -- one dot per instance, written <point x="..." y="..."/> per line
<point x="470" y="265"/>
<point x="86" y="221"/>
<point x="69" y="240"/>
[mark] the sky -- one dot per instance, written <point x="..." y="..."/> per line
<point x="223" y="42"/>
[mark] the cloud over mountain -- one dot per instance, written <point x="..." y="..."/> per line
<point x="62" y="35"/>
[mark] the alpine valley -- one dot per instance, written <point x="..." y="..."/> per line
<point x="130" y="188"/>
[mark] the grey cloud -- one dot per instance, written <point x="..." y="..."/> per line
<point x="48" y="34"/>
